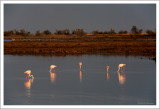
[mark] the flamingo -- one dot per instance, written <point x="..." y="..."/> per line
<point x="120" y="66"/>
<point x="107" y="68"/>
<point x="52" y="67"/>
<point x="28" y="72"/>
<point x="80" y="64"/>
<point x="107" y="72"/>
<point x="121" y="76"/>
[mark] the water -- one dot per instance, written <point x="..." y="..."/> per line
<point x="134" y="84"/>
<point x="7" y="40"/>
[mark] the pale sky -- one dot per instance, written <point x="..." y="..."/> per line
<point x="33" y="17"/>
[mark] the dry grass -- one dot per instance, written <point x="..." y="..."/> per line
<point x="132" y="47"/>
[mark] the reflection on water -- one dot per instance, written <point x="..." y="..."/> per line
<point x="27" y="84"/>
<point x="70" y="88"/>
<point x="80" y="76"/>
<point x="121" y="75"/>
<point x="52" y="77"/>
<point x="108" y="73"/>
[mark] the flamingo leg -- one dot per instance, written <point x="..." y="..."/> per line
<point x="121" y="71"/>
<point x="118" y="69"/>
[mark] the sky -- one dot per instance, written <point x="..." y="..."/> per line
<point x="90" y="17"/>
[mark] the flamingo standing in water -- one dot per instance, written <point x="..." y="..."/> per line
<point x="121" y="76"/>
<point x="28" y="72"/>
<point x="52" y="67"/>
<point x="80" y="64"/>
<point x="120" y="66"/>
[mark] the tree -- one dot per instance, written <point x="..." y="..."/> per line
<point x="100" y="32"/>
<point x="38" y="33"/>
<point x="9" y="33"/>
<point x="150" y="32"/>
<point x="47" y="32"/>
<point x="22" y="32"/>
<point x="58" y="32"/>
<point x="122" y="32"/>
<point x="105" y="32"/>
<point x="17" y="32"/>
<point x="78" y="32"/>
<point x="95" y="32"/>
<point x="134" y="30"/>
<point x="140" y="31"/>
<point x="66" y="32"/>
<point x="112" y="31"/>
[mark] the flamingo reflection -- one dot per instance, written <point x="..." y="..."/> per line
<point x="107" y="72"/>
<point x="52" y="76"/>
<point x="27" y="84"/>
<point x="80" y="76"/>
<point x="121" y="75"/>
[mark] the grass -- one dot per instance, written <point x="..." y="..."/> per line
<point x="79" y="47"/>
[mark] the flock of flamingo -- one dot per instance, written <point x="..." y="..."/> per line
<point x="29" y="77"/>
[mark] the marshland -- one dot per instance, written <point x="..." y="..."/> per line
<point x="62" y="42"/>
<point x="79" y="54"/>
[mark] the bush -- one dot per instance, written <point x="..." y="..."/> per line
<point x="38" y="33"/>
<point x="150" y="32"/>
<point x="8" y="33"/>
<point x="47" y="32"/>
<point x="79" y="32"/>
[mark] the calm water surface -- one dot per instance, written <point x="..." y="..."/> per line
<point x="135" y="84"/>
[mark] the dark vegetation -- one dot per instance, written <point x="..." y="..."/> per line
<point x="79" y="32"/>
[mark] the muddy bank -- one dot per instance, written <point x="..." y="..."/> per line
<point x="129" y="47"/>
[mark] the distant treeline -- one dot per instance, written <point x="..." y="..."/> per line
<point x="78" y="32"/>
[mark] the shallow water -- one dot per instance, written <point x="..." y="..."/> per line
<point x="135" y="84"/>
<point x="7" y="40"/>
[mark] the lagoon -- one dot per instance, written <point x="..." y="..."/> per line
<point x="135" y="84"/>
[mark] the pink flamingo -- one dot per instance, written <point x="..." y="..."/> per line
<point x="28" y="72"/>
<point x="120" y="66"/>
<point x="52" y="67"/>
<point x="122" y="76"/>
